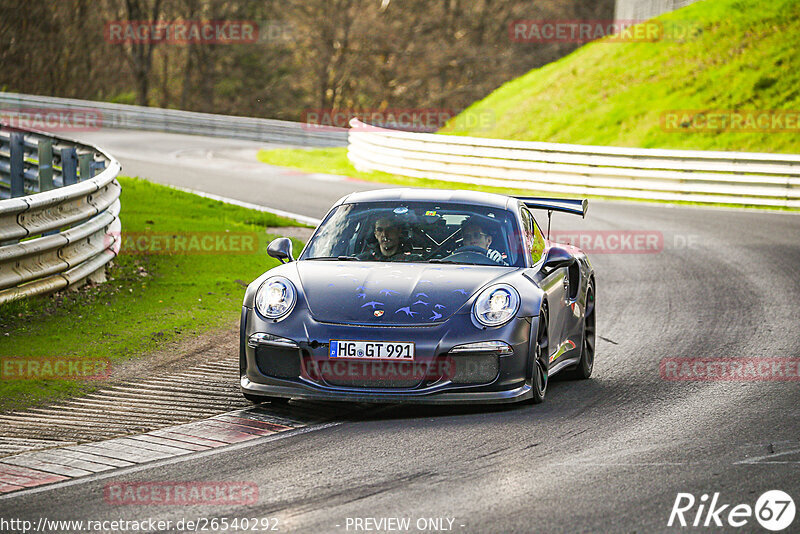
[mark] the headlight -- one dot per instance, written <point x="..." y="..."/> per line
<point x="276" y="297"/>
<point x="496" y="305"/>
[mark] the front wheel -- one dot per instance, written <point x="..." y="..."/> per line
<point x="539" y="371"/>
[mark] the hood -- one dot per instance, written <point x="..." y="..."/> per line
<point x="392" y="293"/>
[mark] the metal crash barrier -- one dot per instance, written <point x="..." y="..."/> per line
<point x="99" y="115"/>
<point x="665" y="175"/>
<point x="59" y="213"/>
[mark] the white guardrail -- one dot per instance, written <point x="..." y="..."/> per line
<point x="667" y="175"/>
<point x="106" y="115"/>
<point x="64" y="234"/>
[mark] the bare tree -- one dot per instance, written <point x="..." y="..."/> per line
<point x="139" y="53"/>
<point x="341" y="53"/>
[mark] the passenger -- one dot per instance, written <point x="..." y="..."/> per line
<point x="476" y="235"/>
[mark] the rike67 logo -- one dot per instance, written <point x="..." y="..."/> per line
<point x="774" y="510"/>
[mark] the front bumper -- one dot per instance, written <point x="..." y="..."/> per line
<point x="303" y="369"/>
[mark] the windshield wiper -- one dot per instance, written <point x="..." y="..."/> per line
<point x="445" y="260"/>
<point x="454" y="262"/>
<point x="337" y="258"/>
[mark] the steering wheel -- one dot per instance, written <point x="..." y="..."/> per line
<point x="471" y="248"/>
<point x="475" y="255"/>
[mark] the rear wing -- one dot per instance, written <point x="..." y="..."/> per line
<point x="564" y="205"/>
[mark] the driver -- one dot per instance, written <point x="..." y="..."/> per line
<point x="476" y="235"/>
<point x="391" y="246"/>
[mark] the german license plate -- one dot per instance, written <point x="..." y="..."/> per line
<point x="372" y="350"/>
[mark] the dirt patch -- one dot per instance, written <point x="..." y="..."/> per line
<point x="176" y="356"/>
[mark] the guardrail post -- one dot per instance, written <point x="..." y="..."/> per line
<point x="17" y="167"/>
<point x="85" y="167"/>
<point x="69" y="166"/>
<point x="98" y="166"/>
<point x="45" y="153"/>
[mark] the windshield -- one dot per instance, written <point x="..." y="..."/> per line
<point x="426" y="232"/>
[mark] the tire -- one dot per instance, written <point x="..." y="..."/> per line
<point x="586" y="364"/>
<point x="539" y="363"/>
<point x="258" y="399"/>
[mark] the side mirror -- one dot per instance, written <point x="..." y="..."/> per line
<point x="281" y="249"/>
<point x="557" y="257"/>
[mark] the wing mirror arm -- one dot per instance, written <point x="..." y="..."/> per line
<point x="281" y="249"/>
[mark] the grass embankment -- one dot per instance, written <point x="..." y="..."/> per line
<point x="715" y="55"/>
<point x="151" y="299"/>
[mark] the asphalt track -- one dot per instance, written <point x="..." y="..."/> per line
<point x="224" y="167"/>
<point x="605" y="455"/>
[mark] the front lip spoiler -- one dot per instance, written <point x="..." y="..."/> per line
<point x="520" y="393"/>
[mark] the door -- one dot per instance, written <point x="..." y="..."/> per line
<point x="554" y="284"/>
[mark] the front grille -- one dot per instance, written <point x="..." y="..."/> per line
<point x="278" y="362"/>
<point x="474" y="368"/>
<point x="367" y="374"/>
<point x="370" y="383"/>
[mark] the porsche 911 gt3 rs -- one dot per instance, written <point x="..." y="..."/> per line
<point x="419" y="295"/>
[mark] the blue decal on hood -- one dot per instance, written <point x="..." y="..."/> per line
<point x="413" y="297"/>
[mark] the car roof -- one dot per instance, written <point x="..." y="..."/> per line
<point x="457" y="196"/>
